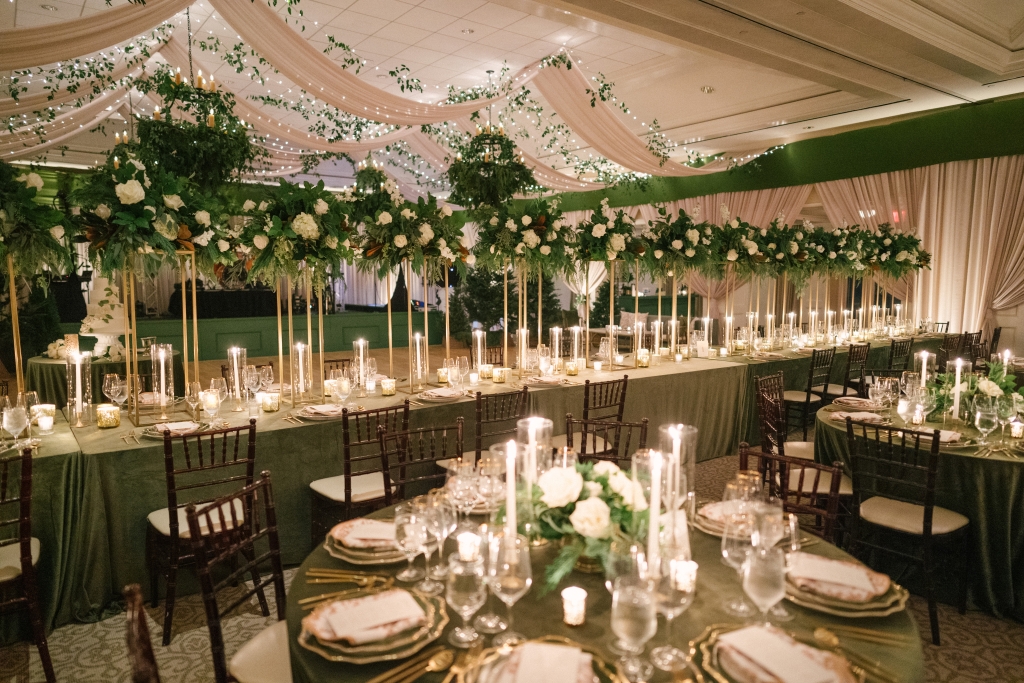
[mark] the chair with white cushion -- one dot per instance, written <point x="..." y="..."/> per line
<point x="854" y="379"/>
<point x="894" y="497"/>
<point x="818" y="377"/>
<point x="601" y="401"/>
<point x="771" y="414"/>
<point x="898" y="360"/>
<point x="19" y="552"/>
<point x="411" y="458"/>
<point x="198" y="467"/>
<point x="360" y="486"/>
<point x="140" y="648"/>
<point x="265" y="658"/>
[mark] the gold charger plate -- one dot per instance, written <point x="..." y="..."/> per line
<point x="151" y="433"/>
<point x="491" y="662"/>
<point x="303" y="415"/>
<point x="892" y="601"/>
<point x="399" y="646"/>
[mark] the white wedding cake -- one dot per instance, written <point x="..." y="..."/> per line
<point x="105" y="319"/>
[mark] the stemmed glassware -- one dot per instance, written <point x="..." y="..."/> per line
<point x="624" y="558"/>
<point x="462" y="486"/>
<point x="466" y="592"/>
<point x="266" y="377"/>
<point x="110" y="382"/>
<point x="675" y="591"/>
<point x="251" y="378"/>
<point x="986" y="418"/>
<point x="5" y="403"/>
<point x="433" y="523"/>
<point x="509" y="577"/>
<point x="26" y="400"/>
<point x="192" y="396"/>
<point x="463" y="369"/>
<point x="342" y="386"/>
<point x="764" y="578"/>
<point x="219" y="385"/>
<point x="15" y="421"/>
<point x="410" y="537"/>
<point x="440" y="523"/>
<point x="771" y="526"/>
<point x="1006" y="409"/>
<point x="490" y="622"/>
<point x="736" y="545"/>
<point x="634" y="621"/>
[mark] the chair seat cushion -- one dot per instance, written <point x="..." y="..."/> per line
<point x="800" y="449"/>
<point x="793" y="396"/>
<point x="595" y="443"/>
<point x="909" y="517"/>
<point x="10" y="559"/>
<point x="837" y="390"/>
<point x="824" y="483"/>
<point x="364" y="487"/>
<point x="265" y="658"/>
<point x="161" y="520"/>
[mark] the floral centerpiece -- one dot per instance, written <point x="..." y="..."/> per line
<point x="786" y="253"/>
<point x="998" y="382"/>
<point x="586" y="508"/>
<point x="607" y="236"/>
<point x="297" y="223"/>
<point x="533" y="234"/>
<point x="33" y="234"/>
<point x="897" y="253"/>
<point x="679" y="245"/>
<point x="739" y="243"/>
<point x="436" y="239"/>
<point x="210" y="233"/>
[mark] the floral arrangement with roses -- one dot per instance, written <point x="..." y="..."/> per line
<point x="680" y="245"/>
<point x="607" y="236"/>
<point x="35" y="235"/>
<point x="438" y="239"/>
<point x="532" y="234"/>
<point x="296" y="224"/>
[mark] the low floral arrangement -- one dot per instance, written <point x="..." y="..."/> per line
<point x="56" y="350"/>
<point x="586" y="508"/>
<point x="533" y="235"/>
<point x="607" y="236"/>
<point x="997" y="383"/>
<point x="34" y="234"/>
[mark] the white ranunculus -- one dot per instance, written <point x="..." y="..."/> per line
<point x="731" y="255"/>
<point x="446" y="211"/>
<point x="166" y="226"/>
<point x="632" y="493"/>
<point x="223" y="245"/>
<point x="384" y="218"/>
<point x="831" y="254"/>
<point x="560" y="486"/>
<point x="531" y="239"/>
<point x="779" y="256"/>
<point x="103" y="211"/>
<point x="677" y="244"/>
<point x="592" y="518"/>
<point x="249" y="205"/>
<point x="771" y="245"/>
<point x="511" y="225"/>
<point x="264" y="205"/>
<point x="31" y="180"/>
<point x="321" y="207"/>
<point x="260" y="242"/>
<point x="545" y="250"/>
<point x="470" y="259"/>
<point x="820" y="249"/>
<point x="617" y="242"/>
<point x="690" y="253"/>
<point x="593" y="489"/>
<point x="204" y="239"/>
<point x="173" y="201"/>
<point x="599" y="230"/>
<point x="203" y="218"/>
<point x="494" y="220"/>
<point x="57" y="231"/>
<point x="604" y="468"/>
<point x="658" y="253"/>
<point x="527" y="220"/>
<point x="130" y="192"/>
<point x="989" y="388"/>
<point x="305" y="226"/>
<point x="426" y="233"/>
<point x="401" y="241"/>
<point x="331" y="241"/>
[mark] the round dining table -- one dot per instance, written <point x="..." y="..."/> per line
<point x="539" y="613"/>
<point x="987" y="487"/>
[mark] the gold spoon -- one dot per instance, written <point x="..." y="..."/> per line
<point x="439" y="662"/>
<point x="831" y="641"/>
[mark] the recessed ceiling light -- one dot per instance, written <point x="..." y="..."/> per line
<point x="808" y="127"/>
<point x="49" y="8"/>
<point x="467" y="31"/>
<point x="707" y="89"/>
<point x="381" y="76"/>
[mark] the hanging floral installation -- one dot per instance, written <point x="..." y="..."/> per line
<point x="487" y="171"/>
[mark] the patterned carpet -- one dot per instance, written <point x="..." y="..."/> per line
<point x="976" y="647"/>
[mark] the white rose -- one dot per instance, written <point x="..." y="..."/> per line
<point x="249" y="205"/>
<point x="902" y="256"/>
<point x="852" y="255"/>
<point x="820" y="249"/>
<point x="794" y="248"/>
<point x="692" y="235"/>
<point x="556" y="225"/>
<point x="426" y="233"/>
<point x="223" y="245"/>
<point x="764" y="232"/>
<point x="631" y="491"/>
<point x="331" y="241"/>
<point x="264" y="205"/>
<point x="884" y="257"/>
<point x="545" y="250"/>
<point x="520" y="247"/>
<point x="887" y="241"/>
<point x="599" y="230"/>
<point x="203" y="218"/>
<point x="260" y="242"/>
<point x="593" y="489"/>
<point x="103" y="211"/>
<point x="530" y="239"/>
<point x="527" y="220"/>
<point x="799" y="235"/>
<point x="384" y="218"/>
<point x="989" y="388"/>
<point x="771" y="245"/>
<point x="408" y="214"/>
<point x="604" y="468"/>
<point x="735" y="223"/>
<point x="731" y="255"/>
<point x="31" y="180"/>
<point x="204" y="239"/>
<point x="552" y="236"/>
<point x="321" y="207"/>
<point x="130" y="192"/>
<point x="173" y="201"/>
<point x="751" y="248"/>
<point x="658" y="253"/>
<point x="690" y="253"/>
<point x="561" y="486"/>
<point x="617" y="242"/>
<point x="494" y="220"/>
<point x="611" y="255"/>
<point x="57" y="231"/>
<point x="447" y="254"/>
<point x="592" y="518"/>
<point x="779" y="256"/>
<point x="677" y="244"/>
<point x="511" y="225"/>
<point x="831" y="254"/>
<point x="305" y="226"/>
<point x="470" y="260"/>
<point x="446" y="211"/>
<point x="837" y="232"/>
<point x="401" y="241"/>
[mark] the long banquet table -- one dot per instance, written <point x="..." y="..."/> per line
<point x="93" y="489"/>
<point x="539" y="615"/>
<point x="987" y="490"/>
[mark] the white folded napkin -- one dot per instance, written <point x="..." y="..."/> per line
<point x="547" y="663"/>
<point x="366" y="620"/>
<point x="324" y="409"/>
<point x="720" y="511"/>
<point x="762" y="654"/>
<point x="849" y="581"/>
<point x="945" y="435"/>
<point x="176" y="428"/>
<point x="840" y="416"/>
<point x="442" y="392"/>
<point x="856" y="402"/>
<point x="543" y="380"/>
<point x="365" y="533"/>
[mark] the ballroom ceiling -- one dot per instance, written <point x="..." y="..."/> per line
<point x="720" y="76"/>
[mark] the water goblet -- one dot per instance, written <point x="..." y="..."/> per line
<point x="764" y="578"/>
<point x="490" y="622"/>
<point x="736" y="545"/>
<point x="251" y="379"/>
<point x="192" y="392"/>
<point x="110" y="380"/>
<point x="465" y="592"/>
<point x="510" y="576"/>
<point x="27" y="399"/>
<point x="342" y="386"/>
<point x="462" y="486"/>
<point x="986" y="417"/>
<point x="634" y="621"/>
<point x="410" y="537"/>
<point x="15" y="420"/>
<point x="433" y="521"/>
<point x="675" y="591"/>
<point x="266" y="377"/>
<point x="624" y="558"/>
<point x="220" y="386"/>
<point x="440" y="523"/>
<point x="1006" y="409"/>
<point x="910" y="380"/>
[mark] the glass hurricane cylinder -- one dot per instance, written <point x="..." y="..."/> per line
<point x="522" y="348"/>
<point x="79" y="371"/>
<point x="576" y="349"/>
<point x="302" y="373"/>
<point x="533" y="458"/>
<point x="419" y="362"/>
<point x="237" y="358"/>
<point x="360" y="352"/>
<point x="555" y="342"/>
<point x="679" y="444"/>
<point x="479" y="348"/>
<point x="161" y="358"/>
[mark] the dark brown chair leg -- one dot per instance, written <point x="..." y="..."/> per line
<point x="807" y="410"/>
<point x="153" y="567"/>
<point x="38" y="632"/>
<point x="964" y="559"/>
<point x="172" y="584"/>
<point x="250" y="555"/>
<point x="933" y="608"/>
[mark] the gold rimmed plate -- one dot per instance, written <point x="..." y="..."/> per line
<point x="892" y="601"/>
<point x="152" y="433"/>
<point x="305" y="414"/>
<point x="491" y="664"/>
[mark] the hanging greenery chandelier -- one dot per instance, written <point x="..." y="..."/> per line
<point x="487" y="171"/>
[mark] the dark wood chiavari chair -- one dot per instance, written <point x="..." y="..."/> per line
<point x="412" y="458"/>
<point x="342" y="364"/>
<point x="4" y="388"/>
<point x="818" y="376"/>
<point x="605" y="439"/>
<point x="899" y="358"/>
<point x="894" y="503"/>
<point x="601" y="401"/>
<point x="493" y="355"/>
<point x="225" y="370"/>
<point x="771" y="413"/>
<point x="497" y="415"/>
<point x="242" y="526"/>
<point x="19" y="552"/>
<point x="971" y="339"/>
<point x="361" y="484"/>
<point x="951" y="344"/>
<point x="140" y="647"/>
<point x="853" y="377"/>
<point x="993" y="346"/>
<point x="942" y="328"/>
<point x="208" y="464"/>
<point x="805" y="488"/>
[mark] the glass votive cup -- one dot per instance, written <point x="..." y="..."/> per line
<point x="574" y="605"/>
<point x="474" y="379"/>
<point x="597" y="366"/>
<point x="387" y="386"/>
<point x="619" y="358"/>
<point x="500" y="375"/>
<point x="442" y="375"/>
<point x="45" y="423"/>
<point x="572" y="368"/>
<point x="271" y="402"/>
<point x="724" y="351"/>
<point x="486" y="371"/>
<point x="1017" y="430"/>
<point x="643" y="358"/>
<point x="108" y="416"/>
<point x="679" y="358"/>
<point x="371" y="386"/>
<point x="43" y="409"/>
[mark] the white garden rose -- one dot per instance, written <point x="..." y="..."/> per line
<point x="779" y="256"/>
<point x="103" y="211"/>
<point x="599" y="230"/>
<point x="794" y="248"/>
<point x="520" y="247"/>
<point x="612" y="255"/>
<point x="989" y="388"/>
<point x="692" y="235"/>
<point x="384" y="218"/>
<point x="527" y="220"/>
<point x="604" y="468"/>
<point x="446" y="211"/>
<point x="305" y="226"/>
<point x="331" y="241"/>
<point x="902" y="256"/>
<point x="511" y="225"/>
<point x="130" y="192"/>
<point x="831" y="254"/>
<point x="560" y="486"/>
<point x="887" y="241"/>
<point x="592" y="518"/>
<point x="204" y="239"/>
<point x="820" y="249"/>
<point x="735" y="223"/>
<point x="470" y="259"/>
<point x="223" y="245"/>
<point x="552" y="236"/>
<point x="260" y="242"/>
<point x="494" y="220"/>
<point x="31" y="180"/>
<point x="203" y="218"/>
<point x="173" y="201"/>
<point x="249" y="205"/>
<point x="594" y="489"/>
<point x="57" y="231"/>
<point x="401" y="241"/>
<point x="617" y="242"/>
<point x="447" y="254"/>
<point x="690" y="253"/>
<point x="677" y="244"/>
<point x="321" y="207"/>
<point x="426" y="233"/>
<point x="731" y="255"/>
<point x="408" y="214"/>
<point x="264" y="205"/>
<point x="751" y="248"/>
<point x="771" y="245"/>
<point x="658" y="253"/>
<point x="631" y="491"/>
<point x="545" y="250"/>
<point x="530" y="239"/>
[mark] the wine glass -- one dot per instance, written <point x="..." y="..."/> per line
<point x="1006" y="409"/>
<point x="490" y="622"/>
<point x="736" y="545"/>
<point x="5" y="403"/>
<point x="463" y="366"/>
<point x="675" y="590"/>
<point x="624" y="558"/>
<point x="266" y="377"/>
<point x="219" y="385"/>
<point x="211" y="408"/>
<point x="110" y="382"/>
<point x="634" y="621"/>
<point x="909" y="381"/>
<point x="440" y="523"/>
<point x="410" y="537"/>
<point x="371" y="368"/>
<point x="510" y="577"/>
<point x="986" y="417"/>
<point x="251" y="378"/>
<point x="192" y="396"/>
<point x="433" y="521"/>
<point x="342" y="386"/>
<point x="764" y="578"/>
<point x="491" y="487"/>
<point x="462" y="486"/>
<point x="15" y="421"/>
<point x="120" y="392"/>
<point x="27" y="399"/>
<point x="771" y="527"/>
<point x="466" y="592"/>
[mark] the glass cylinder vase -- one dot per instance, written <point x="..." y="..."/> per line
<point x="577" y="351"/>
<point x="360" y="354"/>
<point x="420" y="368"/>
<point x="79" y="371"/>
<point x="479" y="349"/>
<point x="161" y="359"/>
<point x="237" y="359"/>
<point x="302" y="373"/>
<point x="533" y="458"/>
<point x="679" y="444"/>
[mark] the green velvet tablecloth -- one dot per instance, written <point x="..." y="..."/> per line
<point x="536" y="615"/>
<point x="49" y="377"/>
<point x="987" y="490"/>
